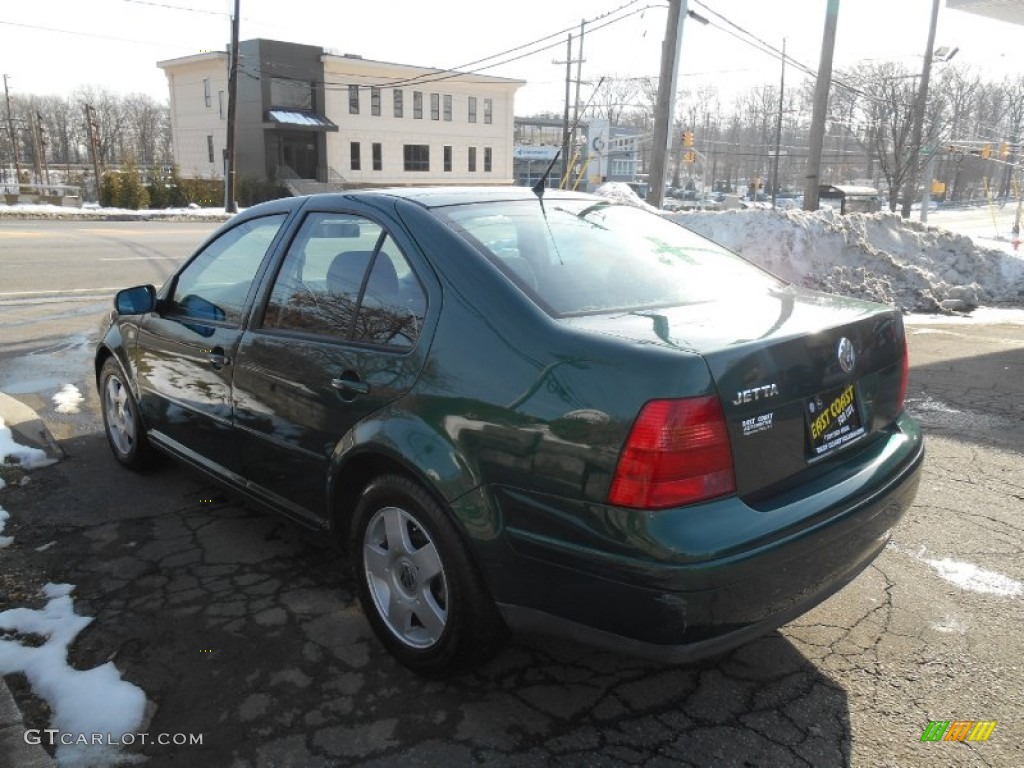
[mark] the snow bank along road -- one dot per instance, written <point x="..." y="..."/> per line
<point x="239" y="627"/>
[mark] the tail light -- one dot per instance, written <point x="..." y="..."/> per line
<point x="677" y="453"/>
<point x="904" y="377"/>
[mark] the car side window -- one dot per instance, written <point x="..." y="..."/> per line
<point x="216" y="282"/>
<point x="317" y="288"/>
<point x="394" y="303"/>
<point x="345" y="277"/>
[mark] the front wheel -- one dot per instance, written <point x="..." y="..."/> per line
<point x="123" y="425"/>
<point x="421" y="592"/>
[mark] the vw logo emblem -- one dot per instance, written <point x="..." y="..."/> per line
<point x="846" y="354"/>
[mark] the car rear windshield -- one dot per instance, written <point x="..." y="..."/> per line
<point x="582" y="256"/>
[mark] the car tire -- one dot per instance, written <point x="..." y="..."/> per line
<point x="421" y="592"/>
<point x="122" y="423"/>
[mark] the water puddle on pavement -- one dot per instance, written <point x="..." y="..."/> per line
<point x="935" y="413"/>
<point x="45" y="371"/>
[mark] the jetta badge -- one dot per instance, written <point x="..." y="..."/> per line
<point x="846" y="354"/>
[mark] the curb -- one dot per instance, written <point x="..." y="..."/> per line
<point x="14" y="750"/>
<point x="29" y="430"/>
<point x="26" y="426"/>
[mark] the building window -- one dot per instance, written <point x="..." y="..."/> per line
<point x="417" y="105"/>
<point x="472" y="109"/>
<point x="472" y="159"/>
<point x="221" y="102"/>
<point x="397" y="95"/>
<point x="487" y="159"/>
<point x="289" y="93"/>
<point x="435" y="106"/>
<point x="209" y="147"/>
<point x="447" y="158"/>
<point x="378" y="163"/>
<point x="417" y="157"/>
<point x="487" y="110"/>
<point x="354" y="155"/>
<point x="375" y="100"/>
<point x="353" y="99"/>
<point x="447" y="108"/>
<point x="206" y="90"/>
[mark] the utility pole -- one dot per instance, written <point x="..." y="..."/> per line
<point x="576" y="103"/>
<point x="229" y="172"/>
<point x="36" y="163"/>
<point x="569" y="128"/>
<point x="12" y="134"/>
<point x="778" y="127"/>
<point x="910" y="190"/>
<point x="820" y="112"/>
<point x="90" y="126"/>
<point x="670" y="50"/>
<point x="43" y="144"/>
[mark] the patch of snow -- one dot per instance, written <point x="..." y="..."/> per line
<point x="93" y="211"/>
<point x="980" y="316"/>
<point x="5" y="541"/>
<point x="10" y="451"/>
<point x="968" y="576"/>
<point x="68" y="399"/>
<point x="87" y="701"/>
<point x="949" y="625"/>
<point x="46" y="546"/>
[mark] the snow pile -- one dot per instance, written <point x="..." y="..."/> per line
<point x="621" y="192"/>
<point x="68" y="399"/>
<point x="876" y="256"/>
<point x="91" y="701"/>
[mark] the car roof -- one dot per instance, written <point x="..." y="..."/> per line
<point x="436" y="197"/>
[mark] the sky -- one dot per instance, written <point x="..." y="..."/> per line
<point x="56" y="46"/>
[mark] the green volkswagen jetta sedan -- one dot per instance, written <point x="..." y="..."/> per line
<point x="557" y="414"/>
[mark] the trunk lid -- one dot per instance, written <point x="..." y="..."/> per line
<point x="803" y="378"/>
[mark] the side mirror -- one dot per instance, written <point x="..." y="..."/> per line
<point x="135" y="301"/>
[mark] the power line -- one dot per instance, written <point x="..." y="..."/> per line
<point x="442" y="74"/>
<point x="162" y="43"/>
<point x="176" y="7"/>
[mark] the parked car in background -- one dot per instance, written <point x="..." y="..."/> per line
<point x="556" y="414"/>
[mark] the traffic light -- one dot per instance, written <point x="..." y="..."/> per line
<point x="986" y="152"/>
<point x="690" y="157"/>
<point x="1004" y="150"/>
<point x="687" y="139"/>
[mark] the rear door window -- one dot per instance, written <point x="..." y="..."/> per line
<point x="344" y="277"/>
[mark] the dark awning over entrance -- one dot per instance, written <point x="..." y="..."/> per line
<point x="298" y="119"/>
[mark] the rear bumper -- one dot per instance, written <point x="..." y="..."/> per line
<point x="694" y="600"/>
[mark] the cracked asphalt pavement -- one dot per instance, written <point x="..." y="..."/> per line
<point x="245" y="628"/>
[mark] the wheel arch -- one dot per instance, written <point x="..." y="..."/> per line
<point x="355" y="468"/>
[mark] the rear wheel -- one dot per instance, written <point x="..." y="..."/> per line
<point x="421" y="592"/>
<point x="125" y="433"/>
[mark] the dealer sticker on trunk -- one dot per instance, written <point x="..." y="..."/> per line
<point x="833" y="419"/>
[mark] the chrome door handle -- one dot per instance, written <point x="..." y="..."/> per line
<point x="351" y="386"/>
<point x="218" y="359"/>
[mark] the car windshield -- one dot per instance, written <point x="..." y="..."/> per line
<point x="584" y="256"/>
